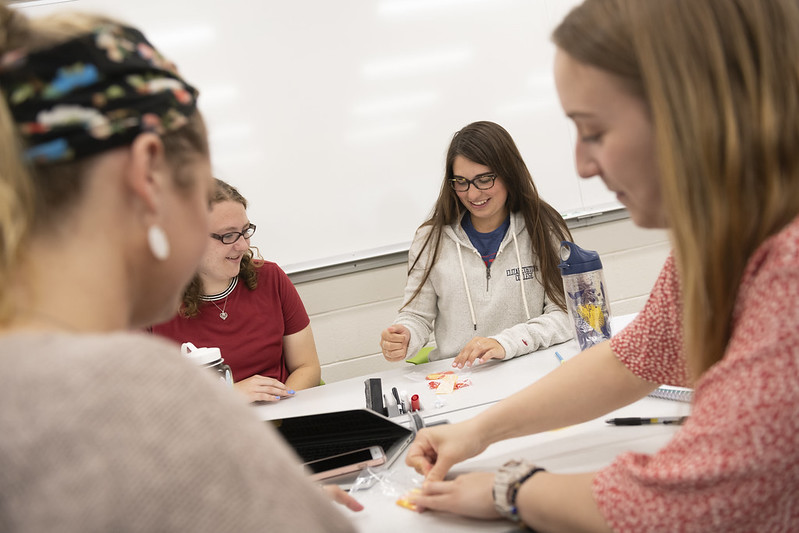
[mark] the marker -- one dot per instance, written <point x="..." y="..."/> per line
<point x="415" y="403"/>
<point x="674" y="420"/>
<point x="560" y="358"/>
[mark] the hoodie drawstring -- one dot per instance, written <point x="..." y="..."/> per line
<point x="521" y="277"/>
<point x="466" y="285"/>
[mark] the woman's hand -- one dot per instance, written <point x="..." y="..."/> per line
<point x="479" y="350"/>
<point x="434" y="450"/>
<point x="262" y="389"/>
<point x="469" y="495"/>
<point x="394" y="342"/>
<point x="338" y="495"/>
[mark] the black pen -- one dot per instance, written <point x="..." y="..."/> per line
<point x="675" y="420"/>
<point x="397" y="397"/>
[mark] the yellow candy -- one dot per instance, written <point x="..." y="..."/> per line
<point x="406" y="502"/>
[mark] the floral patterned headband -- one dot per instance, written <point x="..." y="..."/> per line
<point x="92" y="93"/>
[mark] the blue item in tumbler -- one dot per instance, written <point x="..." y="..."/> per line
<point x="586" y="301"/>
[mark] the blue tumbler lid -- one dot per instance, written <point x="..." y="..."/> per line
<point x="575" y="260"/>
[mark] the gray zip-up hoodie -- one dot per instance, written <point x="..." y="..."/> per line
<point x="463" y="299"/>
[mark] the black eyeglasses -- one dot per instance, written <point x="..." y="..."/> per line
<point x="486" y="181"/>
<point x="233" y="236"/>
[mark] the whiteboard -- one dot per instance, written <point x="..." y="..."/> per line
<point x="333" y="117"/>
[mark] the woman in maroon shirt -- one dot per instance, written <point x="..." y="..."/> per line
<point x="246" y="307"/>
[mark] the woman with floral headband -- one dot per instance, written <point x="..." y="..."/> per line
<point x="104" y="183"/>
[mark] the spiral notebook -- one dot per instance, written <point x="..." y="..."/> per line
<point x="680" y="394"/>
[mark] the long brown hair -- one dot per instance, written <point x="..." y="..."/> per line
<point x="489" y="144"/>
<point x="721" y="79"/>
<point x="35" y="198"/>
<point x="250" y="261"/>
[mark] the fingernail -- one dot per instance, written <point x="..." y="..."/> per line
<point x="277" y="397"/>
<point x="468" y="364"/>
<point x="291" y="391"/>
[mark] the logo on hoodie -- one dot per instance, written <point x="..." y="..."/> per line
<point x="528" y="272"/>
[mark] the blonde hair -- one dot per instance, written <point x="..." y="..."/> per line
<point x="721" y="79"/>
<point x="34" y="198"/>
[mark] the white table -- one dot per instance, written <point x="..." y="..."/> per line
<point x="490" y="382"/>
<point x="580" y="448"/>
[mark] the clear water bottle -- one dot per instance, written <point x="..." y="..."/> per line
<point x="586" y="298"/>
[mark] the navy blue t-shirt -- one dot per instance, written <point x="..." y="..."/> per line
<point x="486" y="243"/>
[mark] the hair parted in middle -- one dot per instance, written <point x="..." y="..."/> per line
<point x="489" y="144"/>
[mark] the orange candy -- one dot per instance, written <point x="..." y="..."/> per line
<point x="405" y="500"/>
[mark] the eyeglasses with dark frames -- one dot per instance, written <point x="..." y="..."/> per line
<point x="233" y="236"/>
<point x="483" y="182"/>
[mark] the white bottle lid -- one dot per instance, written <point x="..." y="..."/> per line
<point x="200" y="356"/>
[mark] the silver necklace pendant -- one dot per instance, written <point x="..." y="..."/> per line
<point x="222" y="312"/>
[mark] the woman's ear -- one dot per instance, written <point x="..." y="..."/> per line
<point x="148" y="173"/>
<point x="146" y="177"/>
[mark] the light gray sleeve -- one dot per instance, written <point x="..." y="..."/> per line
<point x="418" y="316"/>
<point x="551" y="327"/>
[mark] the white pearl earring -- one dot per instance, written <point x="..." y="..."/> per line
<point x="159" y="244"/>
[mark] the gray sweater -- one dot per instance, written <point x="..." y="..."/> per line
<point x="500" y="312"/>
<point x="117" y="432"/>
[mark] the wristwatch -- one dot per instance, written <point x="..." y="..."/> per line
<point x="507" y="482"/>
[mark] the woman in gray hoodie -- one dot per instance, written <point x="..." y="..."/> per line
<point x="483" y="272"/>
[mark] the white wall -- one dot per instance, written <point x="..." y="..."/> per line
<point x="333" y="117"/>
<point x="348" y="312"/>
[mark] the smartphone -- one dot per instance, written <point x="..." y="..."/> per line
<point x="346" y="463"/>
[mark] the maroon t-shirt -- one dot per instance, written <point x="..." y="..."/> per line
<point x="251" y="337"/>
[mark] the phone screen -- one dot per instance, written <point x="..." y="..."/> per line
<point x="339" y="461"/>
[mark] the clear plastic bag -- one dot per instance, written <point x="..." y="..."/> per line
<point x="391" y="483"/>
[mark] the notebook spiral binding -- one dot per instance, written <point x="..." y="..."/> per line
<point x="680" y="394"/>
